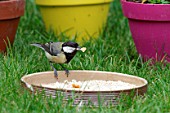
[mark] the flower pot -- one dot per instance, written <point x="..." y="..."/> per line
<point x="10" y="12"/>
<point x="75" y="18"/>
<point x="149" y="25"/>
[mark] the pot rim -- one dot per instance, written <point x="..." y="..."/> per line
<point x="146" y="4"/>
<point x="151" y="12"/>
<point x="70" y="2"/>
<point x="15" y="9"/>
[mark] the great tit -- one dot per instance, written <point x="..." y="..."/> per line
<point x="60" y="53"/>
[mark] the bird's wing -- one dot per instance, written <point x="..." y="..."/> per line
<point x="55" y="48"/>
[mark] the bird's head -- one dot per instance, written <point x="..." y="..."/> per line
<point x="72" y="47"/>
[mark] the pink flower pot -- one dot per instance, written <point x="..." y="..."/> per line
<point x="150" y="28"/>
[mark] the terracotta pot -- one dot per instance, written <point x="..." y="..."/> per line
<point x="149" y="25"/>
<point x="10" y="12"/>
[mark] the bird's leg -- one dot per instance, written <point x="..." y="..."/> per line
<point x="66" y="71"/>
<point x="55" y="71"/>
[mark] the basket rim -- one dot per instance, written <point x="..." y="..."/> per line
<point x="30" y="86"/>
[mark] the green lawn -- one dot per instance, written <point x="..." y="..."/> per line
<point x="113" y="51"/>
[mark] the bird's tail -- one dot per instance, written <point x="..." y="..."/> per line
<point x="38" y="45"/>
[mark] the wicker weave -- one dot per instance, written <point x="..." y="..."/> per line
<point x="34" y="81"/>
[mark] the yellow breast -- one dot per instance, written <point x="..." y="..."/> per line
<point x="60" y="58"/>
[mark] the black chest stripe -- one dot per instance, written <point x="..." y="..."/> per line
<point x="69" y="56"/>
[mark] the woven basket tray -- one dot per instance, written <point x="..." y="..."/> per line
<point x="34" y="81"/>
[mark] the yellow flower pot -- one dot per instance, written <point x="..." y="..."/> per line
<point x="75" y="18"/>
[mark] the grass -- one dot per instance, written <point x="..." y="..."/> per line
<point x="113" y="51"/>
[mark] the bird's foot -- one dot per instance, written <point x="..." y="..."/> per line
<point x="55" y="71"/>
<point x="55" y="74"/>
<point x="67" y="72"/>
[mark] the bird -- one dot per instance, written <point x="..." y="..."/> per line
<point x="60" y="53"/>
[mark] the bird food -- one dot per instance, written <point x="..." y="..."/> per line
<point x="83" y="49"/>
<point x="91" y="85"/>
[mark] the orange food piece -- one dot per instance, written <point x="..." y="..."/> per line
<point x="75" y="86"/>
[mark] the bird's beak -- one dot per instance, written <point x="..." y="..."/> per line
<point x="83" y="49"/>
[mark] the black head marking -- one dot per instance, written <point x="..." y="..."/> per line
<point x="69" y="56"/>
<point x="70" y="44"/>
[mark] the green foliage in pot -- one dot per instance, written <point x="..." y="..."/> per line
<point x="151" y="1"/>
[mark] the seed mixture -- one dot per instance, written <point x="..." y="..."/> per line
<point x="91" y="85"/>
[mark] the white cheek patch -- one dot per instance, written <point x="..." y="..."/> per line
<point x="68" y="49"/>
